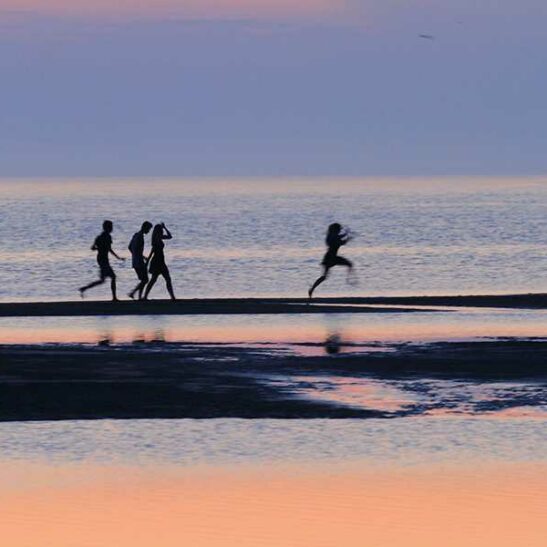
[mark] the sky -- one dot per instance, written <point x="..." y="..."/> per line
<point x="270" y="88"/>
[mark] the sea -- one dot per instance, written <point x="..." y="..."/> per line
<point x="244" y="238"/>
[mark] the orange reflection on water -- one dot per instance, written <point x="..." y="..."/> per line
<point x="277" y="330"/>
<point x="304" y="506"/>
<point x="352" y="391"/>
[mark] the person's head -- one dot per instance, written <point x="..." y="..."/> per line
<point x="157" y="232"/>
<point x="146" y="227"/>
<point x="108" y="226"/>
<point x="334" y="229"/>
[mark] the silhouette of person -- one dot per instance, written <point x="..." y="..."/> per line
<point x="103" y="246"/>
<point x="136" y="246"/>
<point x="156" y="260"/>
<point x="336" y="237"/>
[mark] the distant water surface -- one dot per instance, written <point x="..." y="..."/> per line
<point x="265" y="237"/>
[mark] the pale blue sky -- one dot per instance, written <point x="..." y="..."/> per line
<point x="351" y="90"/>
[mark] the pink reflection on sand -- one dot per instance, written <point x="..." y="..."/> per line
<point x="307" y="505"/>
<point x="355" y="392"/>
<point x="528" y="412"/>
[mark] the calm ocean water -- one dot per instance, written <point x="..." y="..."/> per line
<point x="265" y="237"/>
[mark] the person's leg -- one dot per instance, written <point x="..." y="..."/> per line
<point x="319" y="280"/>
<point x="144" y="281"/>
<point x="131" y="294"/>
<point x="91" y="285"/>
<point x="341" y="261"/>
<point x="153" y="280"/>
<point x="167" y="277"/>
<point x="113" y="287"/>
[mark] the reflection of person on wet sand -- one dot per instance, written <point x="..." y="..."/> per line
<point x="136" y="246"/>
<point x="336" y="237"/>
<point x="103" y="246"/>
<point x="333" y="344"/>
<point x="157" y="260"/>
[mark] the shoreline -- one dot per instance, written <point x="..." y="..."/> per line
<point x="272" y="306"/>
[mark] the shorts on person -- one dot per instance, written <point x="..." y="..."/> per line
<point x="106" y="270"/>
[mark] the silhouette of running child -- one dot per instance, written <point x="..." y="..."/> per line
<point x="156" y="260"/>
<point x="336" y="237"/>
<point x="136" y="246"/>
<point x="103" y="246"/>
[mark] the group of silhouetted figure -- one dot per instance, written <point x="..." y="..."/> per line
<point x="155" y="264"/>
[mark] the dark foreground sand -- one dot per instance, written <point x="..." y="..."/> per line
<point x="160" y="380"/>
<point x="225" y="306"/>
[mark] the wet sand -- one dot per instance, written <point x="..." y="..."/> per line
<point x="162" y="380"/>
<point x="228" y="306"/>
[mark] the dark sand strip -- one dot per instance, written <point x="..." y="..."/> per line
<point x="227" y="306"/>
<point x="204" y="381"/>
<point x="186" y="307"/>
<point x="529" y="301"/>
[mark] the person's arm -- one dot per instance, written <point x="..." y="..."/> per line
<point x="112" y="252"/>
<point x="346" y="237"/>
<point x="94" y="246"/>
<point x="167" y="234"/>
<point x="147" y="261"/>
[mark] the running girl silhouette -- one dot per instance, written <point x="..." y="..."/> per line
<point x="336" y="237"/>
<point x="103" y="246"/>
<point x="157" y="260"/>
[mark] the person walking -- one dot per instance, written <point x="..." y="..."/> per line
<point x="136" y="247"/>
<point x="156" y="260"/>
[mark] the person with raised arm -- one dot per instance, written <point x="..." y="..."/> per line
<point x="156" y="260"/>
